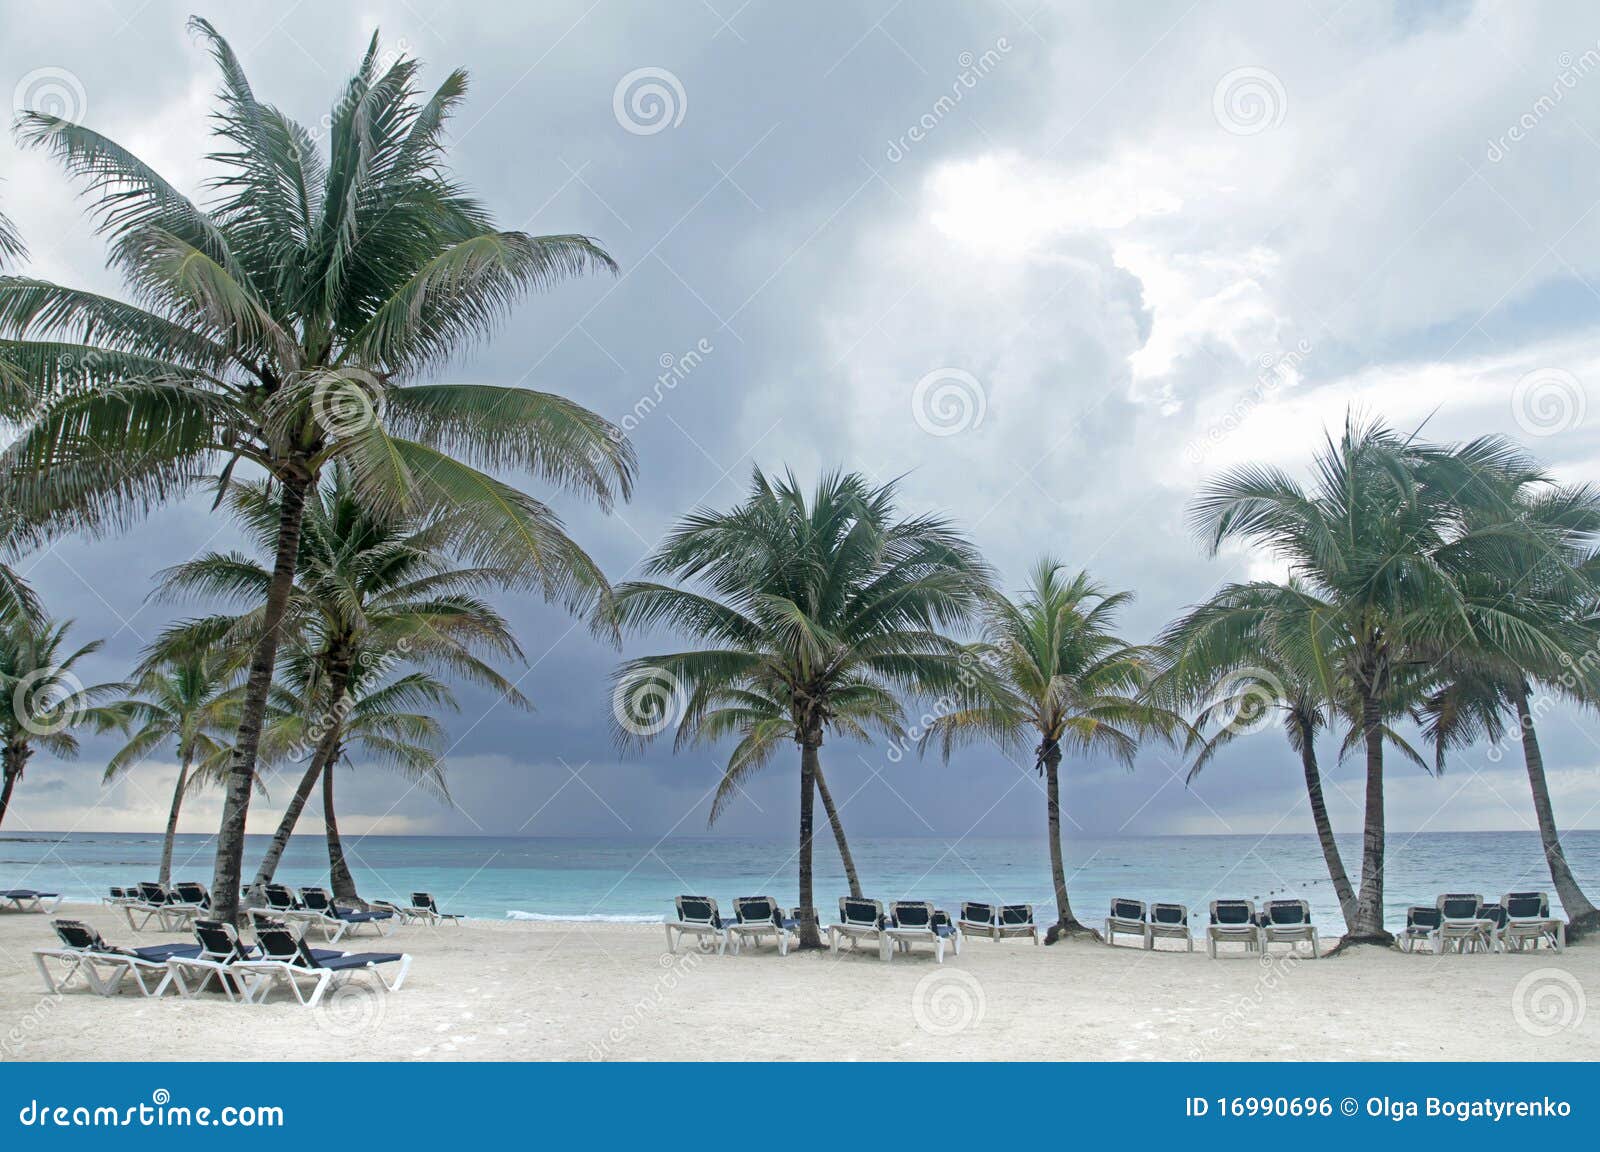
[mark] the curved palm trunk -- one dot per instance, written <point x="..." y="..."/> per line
<point x="165" y="876"/>
<point x="838" y="831"/>
<point x="1369" y="906"/>
<point x="809" y="936"/>
<point x="1580" y="911"/>
<point x="1319" y="816"/>
<point x="1066" y="923"/>
<point x="327" y="746"/>
<point x="14" y="761"/>
<point x="339" y="878"/>
<point x="242" y="769"/>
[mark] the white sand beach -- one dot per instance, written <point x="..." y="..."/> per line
<point x="584" y="991"/>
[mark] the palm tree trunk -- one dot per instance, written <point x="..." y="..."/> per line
<point x="1369" y="906"/>
<point x="809" y="936"/>
<point x="165" y="876"/>
<point x="838" y="832"/>
<point x="13" y="772"/>
<point x="1066" y="923"/>
<point x="1580" y="911"/>
<point x="327" y="746"/>
<point x="339" y="878"/>
<point x="1319" y="816"/>
<point x="242" y="769"/>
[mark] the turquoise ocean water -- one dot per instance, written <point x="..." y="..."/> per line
<point x="627" y="879"/>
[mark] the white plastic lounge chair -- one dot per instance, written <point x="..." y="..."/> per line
<point x="1016" y="921"/>
<point x="979" y="919"/>
<point x="220" y="948"/>
<point x="1288" y="922"/>
<point x="919" y="922"/>
<point x="1127" y="917"/>
<point x="425" y="907"/>
<point x="156" y="903"/>
<point x="27" y="900"/>
<point x="860" y="920"/>
<point x="1422" y="924"/>
<point x="1168" y="922"/>
<point x="403" y="913"/>
<point x="120" y="896"/>
<point x="1462" y="924"/>
<point x="104" y="968"/>
<point x="756" y="917"/>
<point x="1233" y="922"/>
<point x="285" y="958"/>
<point x="191" y="893"/>
<point x="1528" y="921"/>
<point x="698" y="917"/>
<point x="335" y="922"/>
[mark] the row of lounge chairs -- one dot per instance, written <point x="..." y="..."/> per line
<point x="245" y="973"/>
<point x="1231" y="922"/>
<point x="905" y="924"/>
<point x="173" y="909"/>
<point x="1462" y="922"/>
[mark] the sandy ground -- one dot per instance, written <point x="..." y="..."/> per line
<point x="520" y="990"/>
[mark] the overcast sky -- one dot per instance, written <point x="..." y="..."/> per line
<point x="1053" y="263"/>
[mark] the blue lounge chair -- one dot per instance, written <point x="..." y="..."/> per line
<point x="1168" y="922"/>
<point x="756" y="917"/>
<point x="1233" y="922"/>
<point x="860" y="920"/>
<point x="285" y="957"/>
<point x="918" y="922"/>
<point x="425" y="907"/>
<point x="27" y="900"/>
<point x="335" y="922"/>
<point x="104" y="968"/>
<point x="1127" y="917"/>
<point x="1288" y="922"/>
<point x="1528" y="922"/>
<point x="1462" y="924"/>
<point x="698" y="917"/>
<point x="156" y="902"/>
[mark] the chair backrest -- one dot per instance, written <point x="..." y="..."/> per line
<point x="1460" y="906"/>
<point x="218" y="941"/>
<point x="279" y="897"/>
<point x="1122" y="909"/>
<point x="279" y="943"/>
<point x="78" y="936"/>
<point x="975" y="913"/>
<point x="1421" y="916"/>
<point x="424" y="900"/>
<point x="1235" y="913"/>
<point x="152" y="893"/>
<point x="1170" y="914"/>
<point x="1016" y="915"/>
<point x="1494" y="914"/>
<point x="1288" y="913"/>
<point x="1526" y="905"/>
<point x="911" y="914"/>
<point x="696" y="909"/>
<point x="862" y="913"/>
<point x="193" y="892"/>
<point x="756" y="910"/>
<point x="316" y="899"/>
<point x="119" y="893"/>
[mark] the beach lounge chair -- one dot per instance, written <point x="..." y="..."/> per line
<point x="283" y="906"/>
<point x="755" y="917"/>
<point x="1528" y="921"/>
<point x="1016" y="921"/>
<point x="119" y="896"/>
<point x="698" y="917"/>
<point x="425" y="907"/>
<point x="978" y="919"/>
<point x="1233" y="922"/>
<point x="156" y="903"/>
<point x="1462" y="924"/>
<point x="27" y="900"/>
<point x="335" y="922"/>
<point x="284" y="957"/>
<point x="1422" y="923"/>
<point x="191" y="893"/>
<point x="918" y="922"/>
<point x="220" y="948"/>
<point x="1168" y="922"/>
<point x="103" y="967"/>
<point x="1288" y="922"/>
<point x="1127" y="917"/>
<point x="860" y="920"/>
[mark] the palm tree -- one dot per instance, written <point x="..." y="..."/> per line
<point x="813" y="615"/>
<point x="44" y="698"/>
<point x="374" y="588"/>
<point x="16" y="598"/>
<point x="284" y="324"/>
<point x="1055" y="676"/>
<point x="1368" y="603"/>
<point x="193" y="700"/>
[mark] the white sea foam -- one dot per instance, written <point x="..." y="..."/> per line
<point x="597" y="917"/>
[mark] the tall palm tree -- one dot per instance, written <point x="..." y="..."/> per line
<point x="44" y="699"/>
<point x="1368" y="601"/>
<point x="16" y="598"/>
<point x="284" y="324"/>
<point x="813" y="614"/>
<point x="1057" y="677"/>
<point x="192" y="700"/>
<point x="375" y="588"/>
